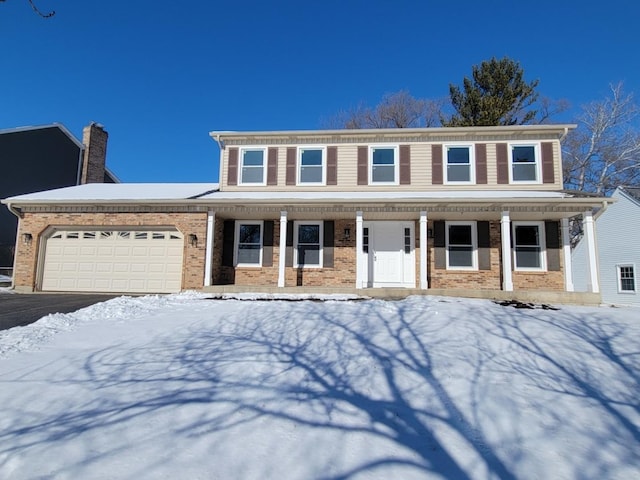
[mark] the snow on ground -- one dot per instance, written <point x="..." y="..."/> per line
<point x="182" y="386"/>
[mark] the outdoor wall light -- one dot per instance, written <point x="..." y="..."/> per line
<point x="27" y="238"/>
<point x="347" y="233"/>
<point x="193" y="240"/>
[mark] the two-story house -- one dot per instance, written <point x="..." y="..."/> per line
<point x="470" y="210"/>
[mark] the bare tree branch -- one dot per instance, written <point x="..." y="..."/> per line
<point x="38" y="11"/>
<point x="604" y="151"/>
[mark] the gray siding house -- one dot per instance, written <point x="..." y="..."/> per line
<point x="618" y="248"/>
<point x="44" y="157"/>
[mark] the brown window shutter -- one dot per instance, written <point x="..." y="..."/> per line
<point x="272" y="167"/>
<point x="484" y="245"/>
<point x="363" y="165"/>
<point x="436" y="165"/>
<point x="228" y="232"/>
<point x="291" y="165"/>
<point x="405" y="165"/>
<point x="327" y="243"/>
<point x="481" y="163"/>
<point x="502" y="163"/>
<point x="267" y="244"/>
<point x="548" y="175"/>
<point x="440" y="257"/>
<point x="288" y="258"/>
<point x="552" y="239"/>
<point x="232" y="167"/>
<point x="332" y="165"/>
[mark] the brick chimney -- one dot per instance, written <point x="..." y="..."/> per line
<point x="94" y="139"/>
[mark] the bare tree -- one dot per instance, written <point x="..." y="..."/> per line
<point x="395" y="110"/>
<point x="604" y="151"/>
<point x="38" y="11"/>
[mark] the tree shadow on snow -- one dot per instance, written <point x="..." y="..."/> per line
<point x="420" y="389"/>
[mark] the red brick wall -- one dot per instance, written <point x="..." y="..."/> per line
<point x="25" y="269"/>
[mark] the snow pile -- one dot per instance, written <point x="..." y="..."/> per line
<point x="427" y="387"/>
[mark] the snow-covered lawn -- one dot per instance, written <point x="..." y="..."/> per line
<point x="184" y="387"/>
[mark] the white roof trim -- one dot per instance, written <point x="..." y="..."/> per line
<point x="42" y="127"/>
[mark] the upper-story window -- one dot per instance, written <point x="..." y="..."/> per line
<point x="311" y="165"/>
<point x="384" y="165"/>
<point x="252" y="166"/>
<point x="525" y="163"/>
<point x="459" y="164"/>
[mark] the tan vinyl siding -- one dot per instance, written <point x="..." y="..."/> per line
<point x="421" y="174"/>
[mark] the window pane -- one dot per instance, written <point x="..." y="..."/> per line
<point x="524" y="172"/>
<point x="310" y="174"/>
<point x="383" y="174"/>
<point x="528" y="257"/>
<point x="249" y="254"/>
<point x="524" y="154"/>
<point x="308" y="254"/>
<point x="627" y="283"/>
<point x="249" y="234"/>
<point x="383" y="156"/>
<point x="460" y="235"/>
<point x="311" y="157"/>
<point x="460" y="257"/>
<point x="309" y="234"/>
<point x="252" y="158"/>
<point x="252" y="175"/>
<point x="458" y="155"/>
<point x="527" y="235"/>
<point x="458" y="173"/>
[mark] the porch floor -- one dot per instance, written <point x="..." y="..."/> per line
<point x="530" y="296"/>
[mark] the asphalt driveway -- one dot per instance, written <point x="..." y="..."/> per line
<point x="25" y="308"/>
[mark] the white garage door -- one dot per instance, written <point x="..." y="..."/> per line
<point x="113" y="261"/>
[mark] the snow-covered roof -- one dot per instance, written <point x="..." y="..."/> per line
<point x="210" y="193"/>
<point x="120" y="191"/>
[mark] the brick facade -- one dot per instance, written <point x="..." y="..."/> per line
<point x="25" y="273"/>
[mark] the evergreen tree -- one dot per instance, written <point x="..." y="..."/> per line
<point x="497" y="94"/>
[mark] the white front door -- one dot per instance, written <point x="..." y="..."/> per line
<point x="390" y="254"/>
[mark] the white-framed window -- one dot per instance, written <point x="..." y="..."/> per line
<point x="626" y="278"/>
<point x="253" y="169"/>
<point x="248" y="244"/>
<point x="524" y="163"/>
<point x="529" y="250"/>
<point x="308" y="244"/>
<point x="462" y="245"/>
<point x="459" y="164"/>
<point x="383" y="165"/>
<point x="312" y="165"/>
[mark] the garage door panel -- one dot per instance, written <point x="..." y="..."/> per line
<point x="122" y="261"/>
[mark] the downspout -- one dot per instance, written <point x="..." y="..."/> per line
<point x="80" y="160"/>
<point x="221" y="146"/>
<point x="17" y="213"/>
<point x="564" y="135"/>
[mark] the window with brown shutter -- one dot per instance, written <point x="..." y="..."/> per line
<point x="272" y="167"/>
<point x="502" y="163"/>
<point x="405" y="165"/>
<point x="548" y="174"/>
<point x="436" y="165"/>
<point x="481" y="163"/>
<point x="232" y="167"/>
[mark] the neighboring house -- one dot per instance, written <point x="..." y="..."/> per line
<point x="618" y="249"/>
<point x="467" y="210"/>
<point x="42" y="158"/>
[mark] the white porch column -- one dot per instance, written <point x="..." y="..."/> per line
<point x="283" y="248"/>
<point x="566" y="251"/>
<point x="505" y="233"/>
<point x="424" y="283"/>
<point x="208" y="256"/>
<point x="592" y="257"/>
<point x="359" y="259"/>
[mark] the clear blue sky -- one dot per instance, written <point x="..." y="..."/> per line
<point x="161" y="74"/>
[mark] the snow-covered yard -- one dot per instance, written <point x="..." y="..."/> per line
<point x="186" y="387"/>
